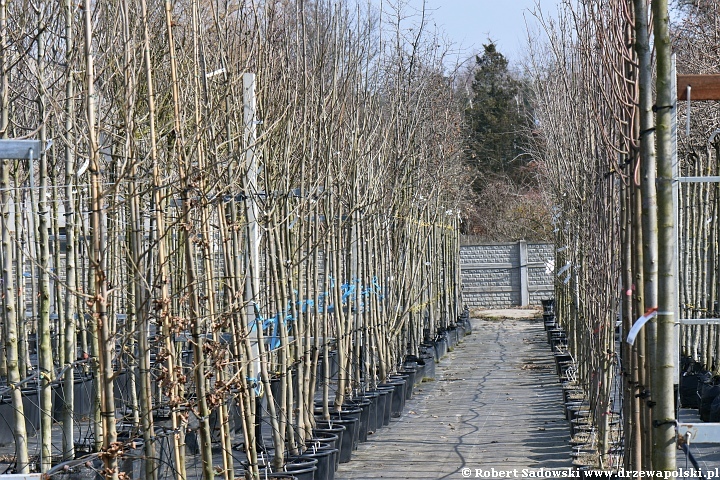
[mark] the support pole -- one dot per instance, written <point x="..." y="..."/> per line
<point x="252" y="285"/>
<point x="524" y="287"/>
<point x="663" y="414"/>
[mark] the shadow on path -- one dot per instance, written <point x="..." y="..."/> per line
<point x="496" y="403"/>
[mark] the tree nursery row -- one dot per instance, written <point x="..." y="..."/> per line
<point x="633" y="171"/>
<point x="238" y="220"/>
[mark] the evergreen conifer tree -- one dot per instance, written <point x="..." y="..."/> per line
<point x="494" y="118"/>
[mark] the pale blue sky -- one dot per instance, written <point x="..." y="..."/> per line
<point x="469" y="23"/>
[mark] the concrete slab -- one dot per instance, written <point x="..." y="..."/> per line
<point x="497" y="403"/>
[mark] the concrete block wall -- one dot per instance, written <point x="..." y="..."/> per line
<point x="541" y="271"/>
<point x="495" y="253"/>
<point x="506" y="274"/>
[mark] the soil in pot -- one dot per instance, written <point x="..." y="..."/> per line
<point x="573" y="395"/>
<point x="586" y="460"/>
<point x="580" y="425"/>
<point x="582" y="438"/>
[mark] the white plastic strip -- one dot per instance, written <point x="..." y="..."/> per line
<point x="649" y="315"/>
<point x="564" y="269"/>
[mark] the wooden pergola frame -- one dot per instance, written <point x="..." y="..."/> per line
<point x="702" y="87"/>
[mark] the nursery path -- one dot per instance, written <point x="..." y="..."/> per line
<point x="496" y="403"/>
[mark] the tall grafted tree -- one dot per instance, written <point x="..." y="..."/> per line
<point x="309" y="162"/>
<point x="663" y="451"/>
<point x="494" y="118"/>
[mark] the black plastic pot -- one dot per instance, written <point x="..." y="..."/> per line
<point x="348" y="408"/>
<point x="325" y="443"/>
<point x="452" y="335"/>
<point x="380" y="408"/>
<point x="349" y="439"/>
<point x="318" y="409"/>
<point x="578" y="425"/>
<point x="302" y="468"/>
<point x="549" y="320"/>
<point x="465" y="318"/>
<point x="320" y="374"/>
<point x="565" y="367"/>
<point x="32" y="416"/>
<point x="707" y="396"/>
<point x="299" y="467"/>
<point x="420" y="372"/>
<point x="336" y="431"/>
<point x="551" y="332"/>
<point x="409" y="375"/>
<point x="558" y="338"/>
<point x="570" y="391"/>
<point x="398" y="399"/>
<point x="441" y="346"/>
<point x="690" y="384"/>
<point x="577" y="410"/>
<point x="418" y="363"/>
<point x="275" y="475"/>
<point x="427" y="349"/>
<point x="325" y="436"/>
<point x="334" y="366"/>
<point x="374" y="398"/>
<point x="275" y="388"/>
<point x="408" y="366"/>
<point x="429" y="373"/>
<point x="570" y="401"/>
<point x="82" y="404"/>
<point x="325" y="456"/>
<point x="561" y="358"/>
<point x="386" y="392"/>
<point x="548" y="305"/>
<point x="363" y="415"/>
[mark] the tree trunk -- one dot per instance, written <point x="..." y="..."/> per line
<point x="9" y="317"/>
<point x="105" y="338"/>
<point x="663" y="458"/>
